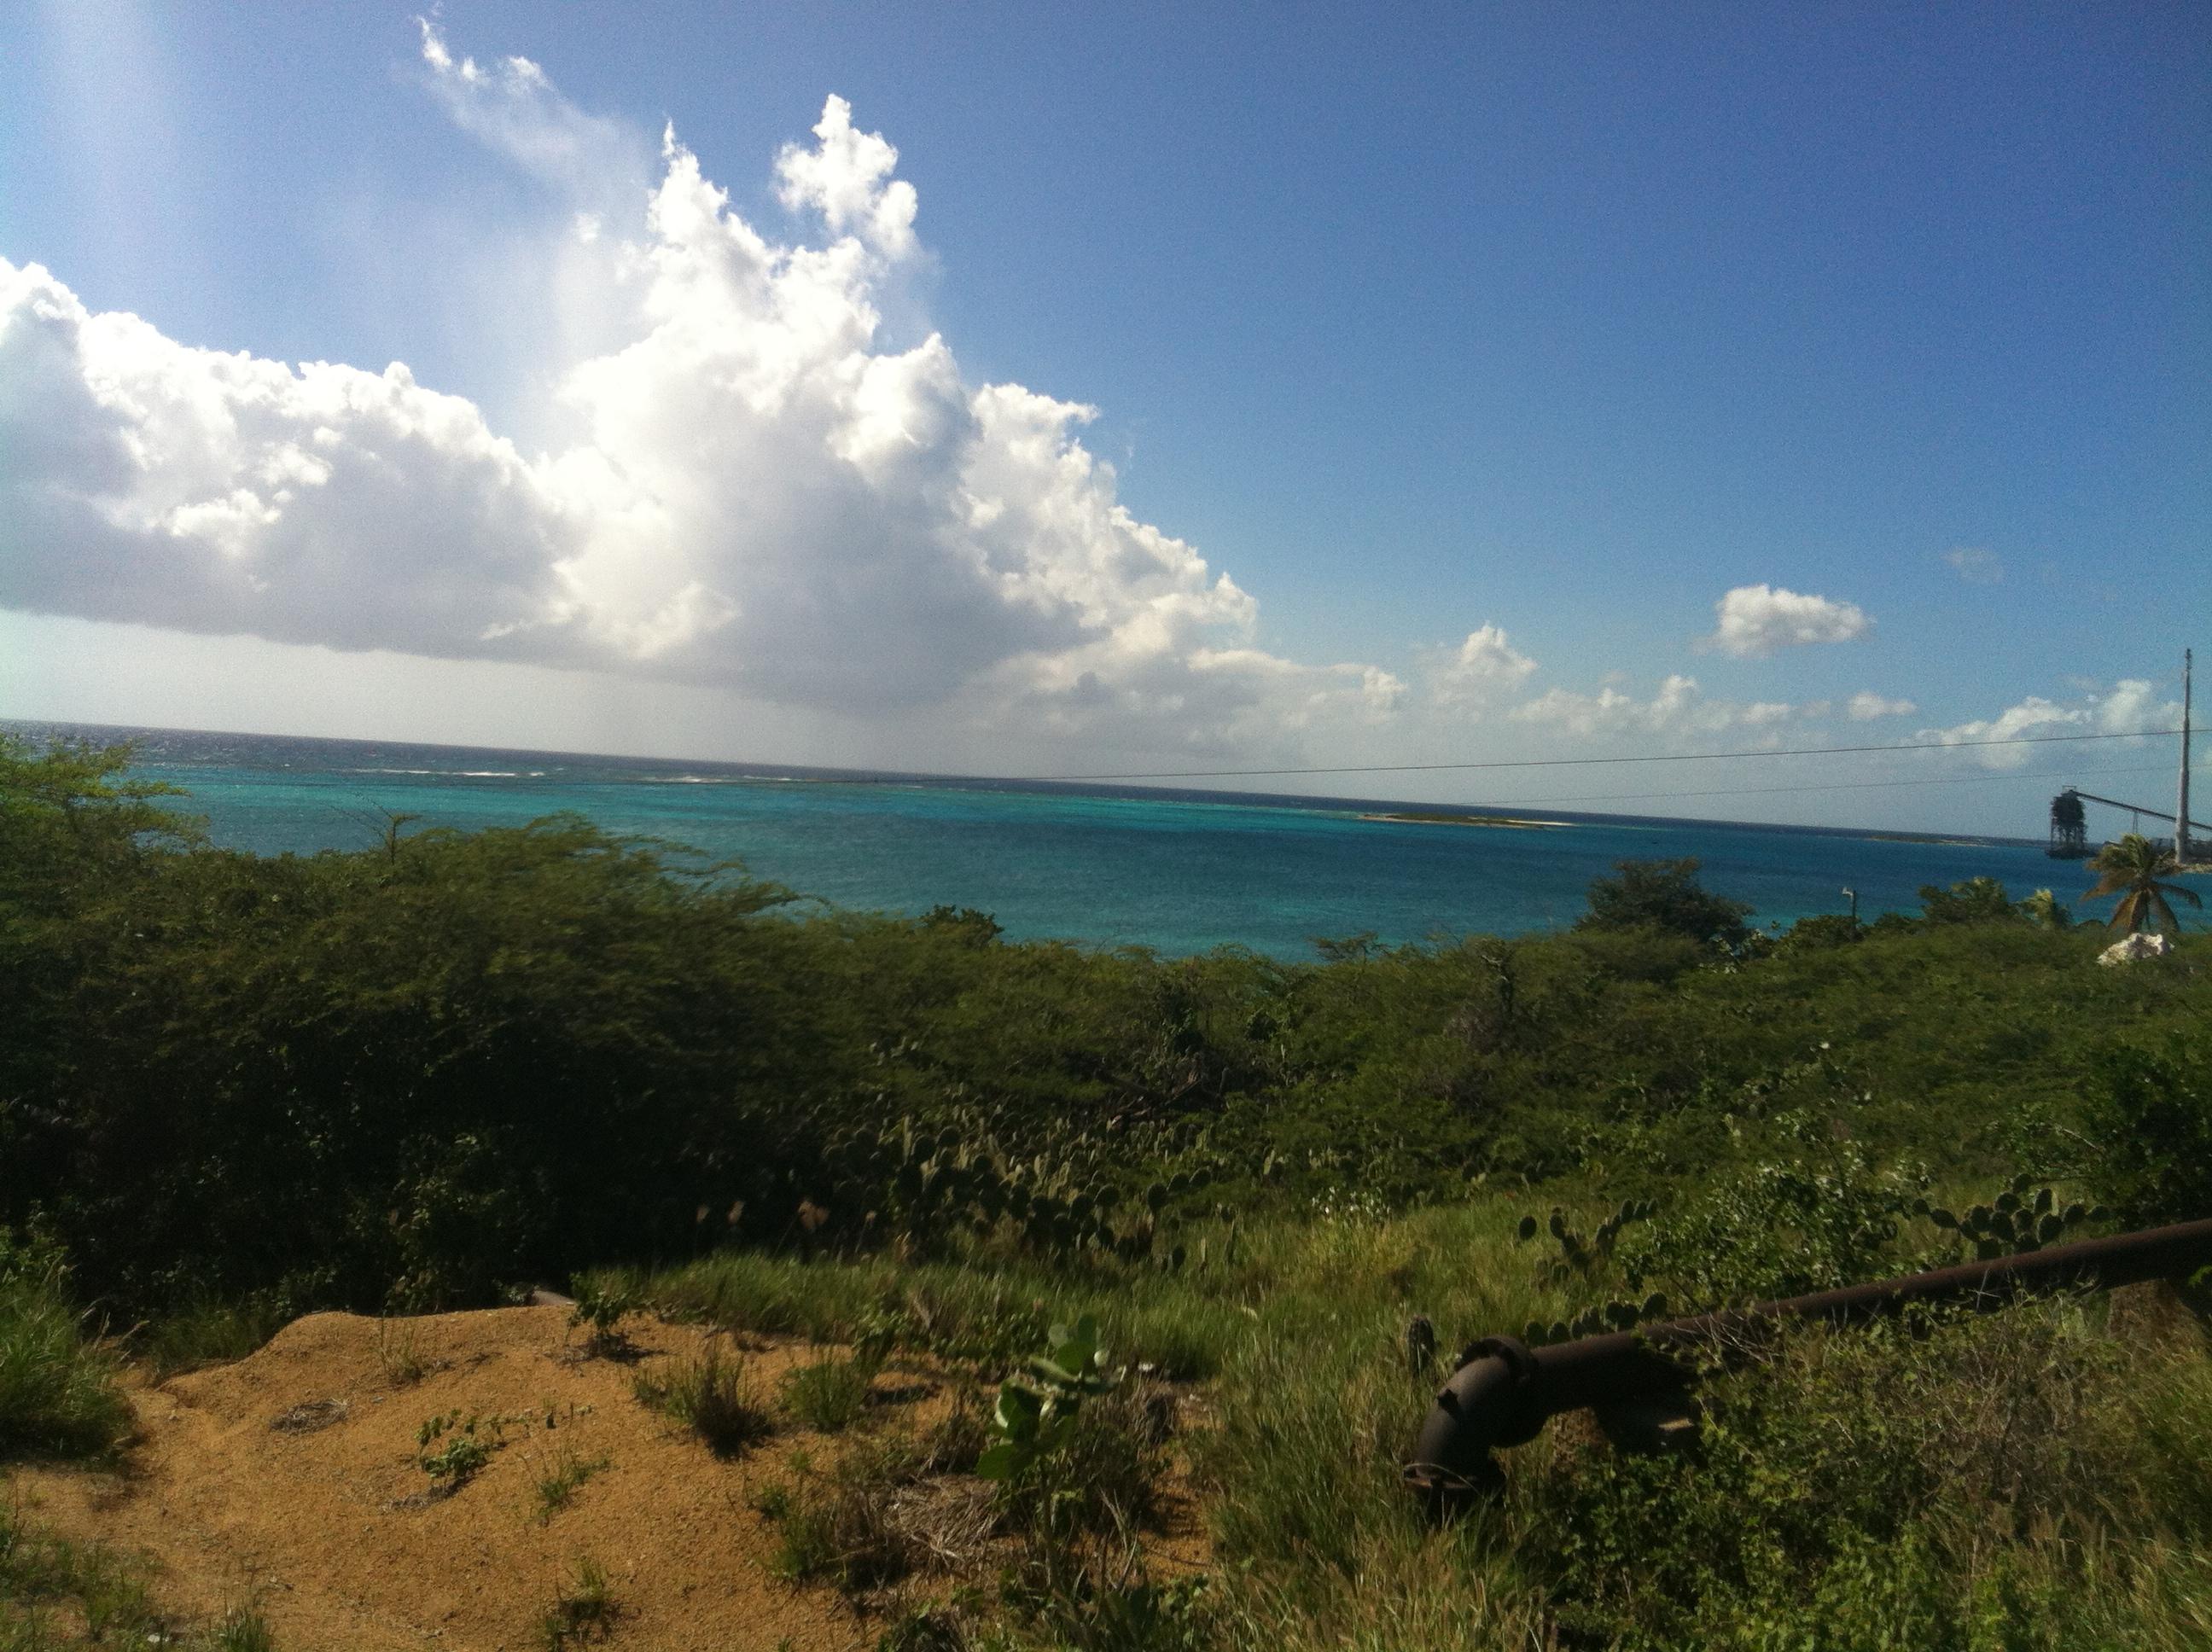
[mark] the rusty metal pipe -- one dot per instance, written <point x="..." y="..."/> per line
<point x="1503" y="1391"/>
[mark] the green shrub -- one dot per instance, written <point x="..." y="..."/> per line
<point x="1814" y="1222"/>
<point x="1864" y="1489"/>
<point x="604" y="1300"/>
<point x="1821" y="932"/>
<point x="1665" y="895"/>
<point x="2150" y="1122"/>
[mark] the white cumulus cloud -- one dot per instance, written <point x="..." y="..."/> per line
<point x="2130" y="706"/>
<point x="1678" y="707"/>
<point x="847" y="178"/>
<point x="1756" y="619"/>
<point x="1865" y="706"/>
<point x="754" y="488"/>
<point x="1482" y="669"/>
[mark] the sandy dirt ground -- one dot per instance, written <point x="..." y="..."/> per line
<point x="291" y="1480"/>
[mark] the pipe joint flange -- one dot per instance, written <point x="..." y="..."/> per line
<point x="1525" y="1419"/>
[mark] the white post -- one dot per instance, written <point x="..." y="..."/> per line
<point x="2181" y="809"/>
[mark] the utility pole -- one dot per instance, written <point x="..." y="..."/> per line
<point x="2181" y="809"/>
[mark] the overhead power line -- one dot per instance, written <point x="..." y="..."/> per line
<point x="1579" y="763"/>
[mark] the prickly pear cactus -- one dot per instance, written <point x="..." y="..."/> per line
<point x="1579" y="1259"/>
<point x="2023" y="1217"/>
<point x="1602" y="1319"/>
<point x="1582" y="1262"/>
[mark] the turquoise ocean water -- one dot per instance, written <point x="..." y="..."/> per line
<point x="1177" y="871"/>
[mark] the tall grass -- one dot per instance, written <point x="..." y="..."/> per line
<point x="710" y="1396"/>
<point x="57" y="1394"/>
<point x="828" y="1395"/>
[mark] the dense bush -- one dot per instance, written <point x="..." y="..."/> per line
<point x="2150" y="1126"/>
<point x="1665" y="895"/>
<point x="421" y="1073"/>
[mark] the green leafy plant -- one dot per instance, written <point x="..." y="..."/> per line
<point x="1035" y="1420"/>
<point x="469" y="1443"/>
<point x="603" y="1301"/>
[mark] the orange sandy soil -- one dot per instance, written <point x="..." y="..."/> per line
<point x="328" y="1530"/>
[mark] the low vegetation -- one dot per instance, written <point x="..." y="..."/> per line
<point x="710" y="1396"/>
<point x="829" y="1394"/>
<point x="56" y="1594"/>
<point x="560" y="1478"/>
<point x="1179" y="1213"/>
<point x="453" y="1447"/>
<point x="836" y="1525"/>
<point x="583" y="1610"/>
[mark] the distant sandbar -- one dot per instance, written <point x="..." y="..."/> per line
<point x="1507" y="820"/>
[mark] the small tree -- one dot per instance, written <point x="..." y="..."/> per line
<point x="1665" y="896"/>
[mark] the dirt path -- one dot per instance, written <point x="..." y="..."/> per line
<point x="291" y="1478"/>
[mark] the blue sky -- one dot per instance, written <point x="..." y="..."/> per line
<point x="1485" y="349"/>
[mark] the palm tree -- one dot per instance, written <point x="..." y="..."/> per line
<point x="2131" y="869"/>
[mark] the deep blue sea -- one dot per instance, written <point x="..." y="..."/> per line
<point x="1178" y="871"/>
